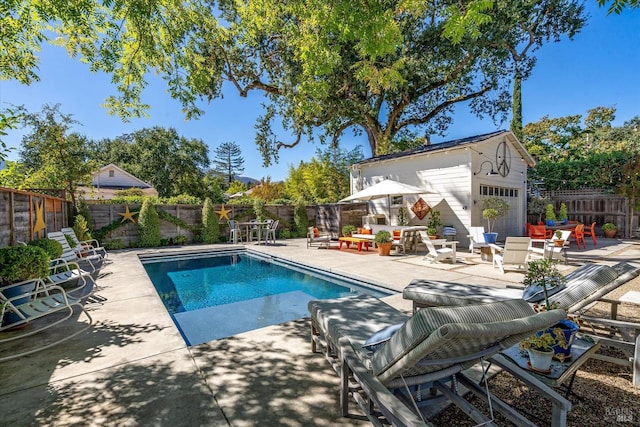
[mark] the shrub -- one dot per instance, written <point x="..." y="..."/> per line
<point x="383" y="236"/>
<point x="114" y="245"/>
<point x="300" y="218"/>
<point x="258" y="208"/>
<point x="148" y="225"/>
<point x="348" y="229"/>
<point x="210" y="226"/>
<point x="550" y="215"/>
<point x="609" y="226"/>
<point x="81" y="228"/>
<point x="433" y="222"/>
<point x="83" y="210"/>
<point x="50" y="246"/>
<point x="18" y="263"/>
<point x="563" y="214"/>
<point x="181" y="240"/>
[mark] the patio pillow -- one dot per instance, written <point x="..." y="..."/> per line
<point x="396" y="233"/>
<point x="375" y="341"/>
<point x="316" y="232"/>
<point x="366" y="231"/>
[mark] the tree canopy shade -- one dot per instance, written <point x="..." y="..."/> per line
<point x="391" y="69"/>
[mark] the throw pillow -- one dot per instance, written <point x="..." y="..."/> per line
<point x="376" y="340"/>
<point x="316" y="232"/>
<point x="366" y="231"/>
<point x="396" y="233"/>
<point x="535" y="292"/>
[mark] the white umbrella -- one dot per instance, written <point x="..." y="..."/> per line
<point x="386" y="188"/>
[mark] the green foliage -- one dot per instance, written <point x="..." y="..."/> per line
<point x="433" y="222"/>
<point x="50" y="246"/>
<point x="402" y="216"/>
<point x="562" y="213"/>
<point x="300" y="218"/>
<point x="537" y="205"/>
<point x="81" y="228"/>
<point x="609" y="226"/>
<point x="236" y="187"/>
<point x="83" y="210"/>
<point x="19" y="263"/>
<point x="494" y="208"/>
<point x="348" y="229"/>
<point x="228" y="160"/>
<point x="383" y="236"/>
<point x="70" y="241"/>
<point x="267" y="190"/>
<point x="210" y="226"/>
<point x="148" y="225"/>
<point x="181" y="240"/>
<point x="543" y="272"/>
<point x="259" y="210"/>
<point x="114" y="245"/>
<point x="550" y="213"/>
<point x="545" y="341"/>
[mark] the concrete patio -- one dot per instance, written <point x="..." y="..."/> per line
<point x="133" y="368"/>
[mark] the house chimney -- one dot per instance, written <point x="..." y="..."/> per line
<point x="427" y="141"/>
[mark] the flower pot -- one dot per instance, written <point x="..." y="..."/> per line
<point x="490" y="237"/>
<point x="540" y="360"/>
<point x="550" y="222"/>
<point x="569" y="329"/>
<point x="558" y="242"/>
<point x="609" y="234"/>
<point x="384" y="248"/>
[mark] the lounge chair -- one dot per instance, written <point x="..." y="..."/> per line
<point x="85" y="247"/>
<point x="429" y="349"/>
<point x="514" y="255"/>
<point x="476" y="238"/>
<point x="550" y="250"/>
<point x="585" y="286"/>
<point x="42" y="300"/>
<point x="90" y="261"/>
<point x="314" y="238"/>
<point x="270" y="231"/>
<point x="436" y="255"/>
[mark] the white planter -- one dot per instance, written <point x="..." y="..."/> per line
<point x="540" y="360"/>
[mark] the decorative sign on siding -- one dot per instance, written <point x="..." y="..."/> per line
<point x="421" y="208"/>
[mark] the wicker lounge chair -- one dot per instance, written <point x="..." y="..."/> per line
<point x="585" y="286"/>
<point x="430" y="349"/>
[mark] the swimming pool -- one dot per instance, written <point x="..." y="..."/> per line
<point x="218" y="294"/>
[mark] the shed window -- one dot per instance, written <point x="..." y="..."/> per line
<point x="112" y="173"/>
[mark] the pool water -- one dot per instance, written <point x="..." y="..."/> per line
<point x="219" y="296"/>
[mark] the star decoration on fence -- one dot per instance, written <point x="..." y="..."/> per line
<point x="223" y="213"/>
<point x="128" y="215"/>
<point x="40" y="224"/>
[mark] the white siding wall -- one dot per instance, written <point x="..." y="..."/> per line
<point x="450" y="174"/>
<point x="119" y="179"/>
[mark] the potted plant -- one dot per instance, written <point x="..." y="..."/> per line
<point x="609" y="229"/>
<point x="541" y="349"/>
<point x="559" y="241"/>
<point x="433" y="222"/>
<point x="348" y="229"/>
<point x="537" y="206"/>
<point x="563" y="215"/>
<point x="383" y="241"/>
<point x="550" y="216"/>
<point x="541" y="281"/>
<point x="493" y="208"/>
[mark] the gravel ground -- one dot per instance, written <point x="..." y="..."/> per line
<point x="604" y="394"/>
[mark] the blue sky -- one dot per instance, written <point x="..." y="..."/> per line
<point x="600" y="67"/>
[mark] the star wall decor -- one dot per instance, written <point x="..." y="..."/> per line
<point x="39" y="224"/>
<point x="128" y="215"/>
<point x="223" y="213"/>
<point x="421" y="208"/>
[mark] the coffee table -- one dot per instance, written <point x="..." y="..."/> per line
<point x="358" y="241"/>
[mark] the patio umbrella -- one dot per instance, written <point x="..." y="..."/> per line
<point x="386" y="188"/>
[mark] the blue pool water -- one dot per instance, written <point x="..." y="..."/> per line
<point x="219" y="296"/>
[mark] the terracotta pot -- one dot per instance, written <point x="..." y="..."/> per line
<point x="384" y="249"/>
<point x="558" y="242"/>
<point x="609" y="234"/>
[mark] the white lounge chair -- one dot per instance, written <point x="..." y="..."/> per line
<point x="436" y="255"/>
<point x="514" y="255"/>
<point x="91" y="261"/>
<point x="313" y="239"/>
<point x="476" y="238"/>
<point x="85" y="247"/>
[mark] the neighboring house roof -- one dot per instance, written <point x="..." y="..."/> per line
<point x="456" y="143"/>
<point x="110" y="179"/>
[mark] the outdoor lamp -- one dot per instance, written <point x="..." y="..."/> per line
<point x="491" y="172"/>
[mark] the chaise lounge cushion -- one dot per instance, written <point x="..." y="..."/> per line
<point x="375" y="341"/>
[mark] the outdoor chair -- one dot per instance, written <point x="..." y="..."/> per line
<point x="398" y="367"/>
<point x="476" y="238"/>
<point x="539" y="232"/>
<point x="435" y="255"/>
<point x="91" y="261"/>
<point x="314" y="238"/>
<point x="85" y="247"/>
<point x="578" y="235"/>
<point x="514" y="255"/>
<point x="585" y="286"/>
<point x="270" y="231"/>
<point x="550" y="250"/>
<point x="40" y="301"/>
<point x="235" y="232"/>
<point x="591" y="232"/>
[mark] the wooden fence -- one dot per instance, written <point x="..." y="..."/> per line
<point x="26" y="215"/>
<point x="594" y="205"/>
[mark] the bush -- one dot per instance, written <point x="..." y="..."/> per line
<point x="181" y="240"/>
<point x="383" y="236"/>
<point x="609" y="226"/>
<point x="148" y="225"/>
<point x="550" y="215"/>
<point x="210" y="226"/>
<point x="114" y="245"/>
<point x="348" y="229"/>
<point x="300" y="218"/>
<point x="81" y="228"/>
<point x="562" y="213"/>
<point x="258" y="208"/>
<point x="50" y="246"/>
<point x="19" y="263"/>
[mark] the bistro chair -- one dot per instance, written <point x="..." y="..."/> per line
<point x="591" y="231"/>
<point x="578" y="234"/>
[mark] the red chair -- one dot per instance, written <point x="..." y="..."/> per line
<point x="539" y="232"/>
<point x="578" y="233"/>
<point x="591" y="231"/>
